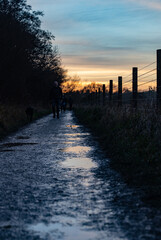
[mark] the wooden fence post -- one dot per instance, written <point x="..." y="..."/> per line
<point x="103" y="94"/>
<point x="111" y="90"/>
<point x="159" y="78"/>
<point x="135" y="86"/>
<point x="119" y="91"/>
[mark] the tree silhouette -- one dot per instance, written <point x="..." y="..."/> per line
<point x="28" y="62"/>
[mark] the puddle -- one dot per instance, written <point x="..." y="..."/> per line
<point x="16" y="144"/>
<point x="6" y="226"/>
<point x="63" y="229"/>
<point x="72" y="126"/>
<point x="77" y="134"/>
<point x="76" y="149"/>
<point x="66" y="195"/>
<point x="67" y="142"/>
<point x="74" y="139"/>
<point x="6" y="150"/>
<point x="22" y="137"/>
<point x="85" y="163"/>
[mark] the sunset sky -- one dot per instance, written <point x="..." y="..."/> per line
<point x="101" y="39"/>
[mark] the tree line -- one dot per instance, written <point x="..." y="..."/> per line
<point x="28" y="61"/>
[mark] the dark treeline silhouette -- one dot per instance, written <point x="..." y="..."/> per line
<point x="28" y="62"/>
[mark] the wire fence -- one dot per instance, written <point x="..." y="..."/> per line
<point x="146" y="89"/>
<point x="141" y="87"/>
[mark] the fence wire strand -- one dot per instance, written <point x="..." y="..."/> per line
<point x="147" y="72"/>
<point x="145" y="94"/>
<point x="147" y="66"/>
<point x="147" y="76"/>
<point x="146" y="82"/>
<point x="128" y="81"/>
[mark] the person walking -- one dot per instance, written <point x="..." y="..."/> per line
<point x="63" y="103"/>
<point x="55" y="97"/>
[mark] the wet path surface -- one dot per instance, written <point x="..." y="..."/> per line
<point x="56" y="184"/>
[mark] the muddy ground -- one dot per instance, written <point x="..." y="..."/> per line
<point x="56" y="183"/>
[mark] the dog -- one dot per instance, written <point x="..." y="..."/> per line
<point x="29" y="113"/>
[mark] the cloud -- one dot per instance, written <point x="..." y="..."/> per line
<point x="109" y="36"/>
<point x="152" y="4"/>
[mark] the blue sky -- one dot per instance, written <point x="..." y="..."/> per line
<point x="101" y="39"/>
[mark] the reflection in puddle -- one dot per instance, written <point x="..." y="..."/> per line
<point x="72" y="126"/>
<point x="74" y="139"/>
<point x="69" y="142"/>
<point x="79" y="163"/>
<point x="66" y="229"/>
<point x="77" y="134"/>
<point x="57" y="143"/>
<point x="47" y="230"/>
<point x="76" y="149"/>
<point x="86" y="181"/>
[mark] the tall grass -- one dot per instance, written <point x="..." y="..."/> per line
<point x="13" y="116"/>
<point x="132" y="139"/>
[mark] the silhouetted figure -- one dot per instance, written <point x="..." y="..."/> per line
<point x="29" y="112"/>
<point x="70" y="103"/>
<point x="55" y="97"/>
<point x="63" y="103"/>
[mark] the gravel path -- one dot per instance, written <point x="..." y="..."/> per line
<point x="56" y="184"/>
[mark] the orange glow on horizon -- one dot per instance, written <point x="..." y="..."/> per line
<point x="101" y="75"/>
<point x="93" y="86"/>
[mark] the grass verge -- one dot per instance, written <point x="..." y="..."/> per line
<point x="13" y="117"/>
<point x="132" y="141"/>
